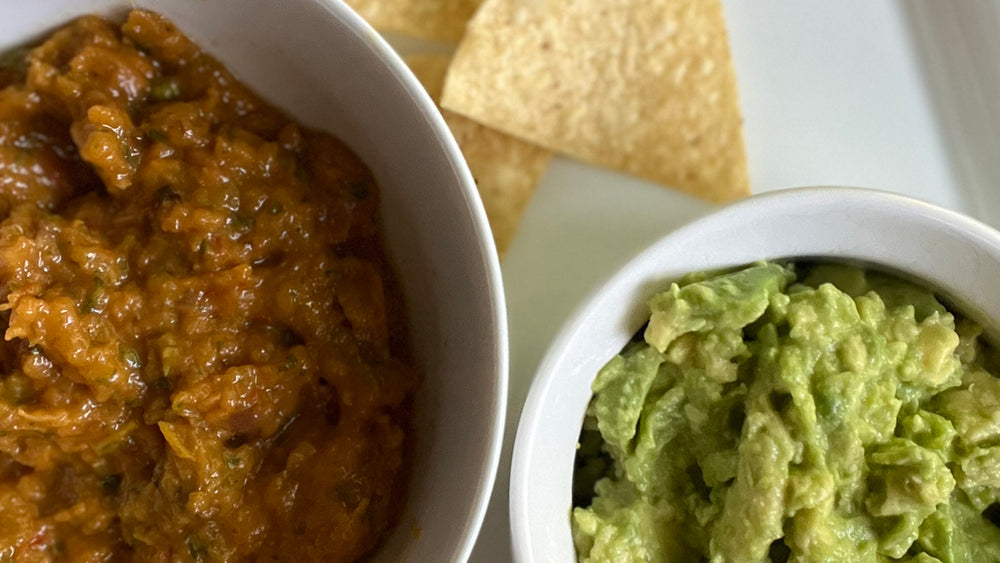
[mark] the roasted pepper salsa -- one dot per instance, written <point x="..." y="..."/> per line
<point x="204" y="355"/>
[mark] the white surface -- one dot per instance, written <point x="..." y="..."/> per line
<point x="943" y="248"/>
<point x="958" y="43"/>
<point x="832" y="93"/>
<point x="297" y="55"/>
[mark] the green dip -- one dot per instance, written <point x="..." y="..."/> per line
<point x="800" y="413"/>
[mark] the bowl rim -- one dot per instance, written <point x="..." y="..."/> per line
<point x="489" y="467"/>
<point x="524" y="529"/>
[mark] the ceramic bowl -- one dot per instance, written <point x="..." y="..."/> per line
<point x="324" y="66"/>
<point x="955" y="255"/>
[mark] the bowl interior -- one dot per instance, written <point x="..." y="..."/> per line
<point x="948" y="252"/>
<point x="319" y="62"/>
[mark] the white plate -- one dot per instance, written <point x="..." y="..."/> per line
<point x="895" y="95"/>
<point x="832" y="93"/>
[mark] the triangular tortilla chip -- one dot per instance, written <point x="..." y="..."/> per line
<point x="439" y="20"/>
<point x="642" y="86"/>
<point x="506" y="169"/>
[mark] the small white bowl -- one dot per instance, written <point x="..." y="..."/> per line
<point x="949" y="252"/>
<point x="320" y="63"/>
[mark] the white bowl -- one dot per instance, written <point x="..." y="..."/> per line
<point x="956" y="255"/>
<point x="320" y="63"/>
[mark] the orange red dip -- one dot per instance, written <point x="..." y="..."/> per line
<point x="203" y="354"/>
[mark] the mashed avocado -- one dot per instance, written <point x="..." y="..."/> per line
<point x="802" y="413"/>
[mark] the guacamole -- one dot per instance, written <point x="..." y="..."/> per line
<point x="805" y="412"/>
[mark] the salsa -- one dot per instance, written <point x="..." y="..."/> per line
<point x="204" y="353"/>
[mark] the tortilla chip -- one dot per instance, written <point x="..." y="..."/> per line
<point x="430" y="70"/>
<point x="642" y="86"/>
<point x="439" y="20"/>
<point x="506" y="169"/>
